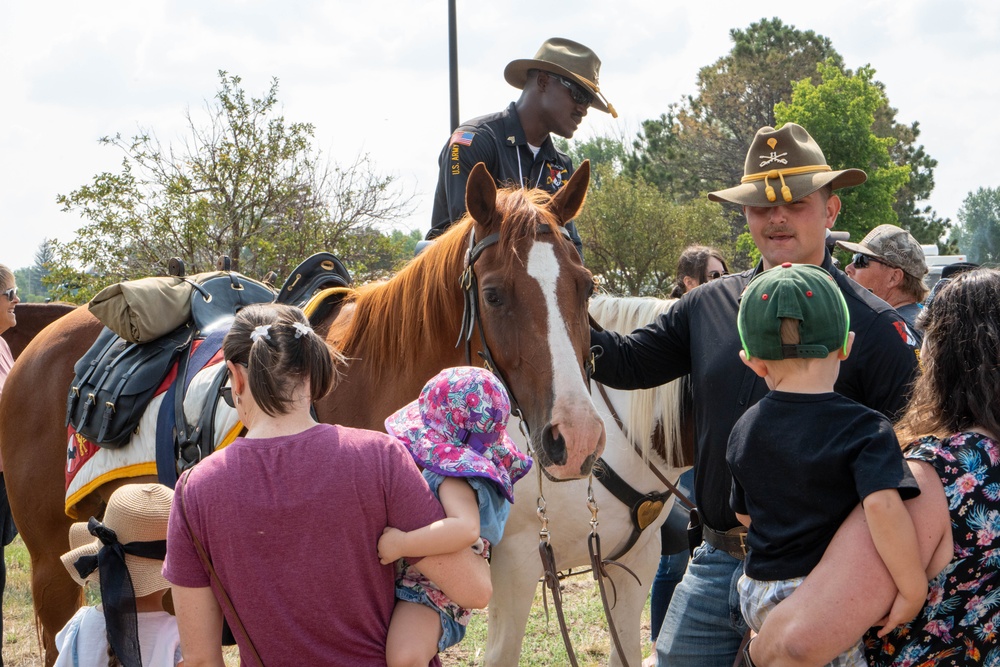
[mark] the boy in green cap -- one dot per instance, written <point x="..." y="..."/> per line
<point x="804" y="456"/>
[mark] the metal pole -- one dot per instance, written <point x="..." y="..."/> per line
<point x="453" y="63"/>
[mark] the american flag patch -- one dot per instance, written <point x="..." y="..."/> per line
<point x="464" y="138"/>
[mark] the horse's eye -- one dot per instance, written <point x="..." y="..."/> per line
<point x="492" y="297"/>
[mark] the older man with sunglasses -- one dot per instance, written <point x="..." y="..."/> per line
<point x="558" y="86"/>
<point x="890" y="264"/>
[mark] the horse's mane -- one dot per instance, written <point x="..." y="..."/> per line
<point x="647" y="407"/>
<point x="419" y="310"/>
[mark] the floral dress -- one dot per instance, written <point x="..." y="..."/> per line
<point x="959" y="622"/>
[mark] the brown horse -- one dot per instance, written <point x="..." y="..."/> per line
<point x="532" y="301"/>
<point x="32" y="318"/>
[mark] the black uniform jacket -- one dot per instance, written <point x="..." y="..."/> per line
<point x="699" y="336"/>
<point x="498" y="141"/>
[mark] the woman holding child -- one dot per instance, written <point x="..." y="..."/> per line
<point x="291" y="513"/>
<point x="951" y="436"/>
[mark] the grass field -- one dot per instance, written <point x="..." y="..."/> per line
<point x="542" y="646"/>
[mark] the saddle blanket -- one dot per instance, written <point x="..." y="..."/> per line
<point x="88" y="466"/>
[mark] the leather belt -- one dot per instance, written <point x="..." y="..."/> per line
<point x="732" y="541"/>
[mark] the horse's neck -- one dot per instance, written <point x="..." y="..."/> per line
<point x="355" y="401"/>
<point x="620" y="452"/>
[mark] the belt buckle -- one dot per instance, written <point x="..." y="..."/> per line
<point x="743" y="542"/>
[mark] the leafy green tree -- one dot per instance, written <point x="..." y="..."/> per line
<point x="839" y="114"/>
<point x="611" y="151"/>
<point x="701" y="143"/>
<point x="633" y="234"/>
<point x="978" y="232"/>
<point x="246" y="184"/>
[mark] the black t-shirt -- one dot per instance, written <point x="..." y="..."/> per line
<point x="800" y="464"/>
<point x="698" y="336"/>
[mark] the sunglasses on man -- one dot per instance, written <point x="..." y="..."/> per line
<point x="861" y="261"/>
<point x="11" y="293"/>
<point x="576" y="91"/>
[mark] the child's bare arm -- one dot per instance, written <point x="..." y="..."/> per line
<point x="744" y="519"/>
<point x="896" y="541"/>
<point x="458" y="530"/>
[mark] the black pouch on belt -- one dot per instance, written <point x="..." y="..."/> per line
<point x="694" y="530"/>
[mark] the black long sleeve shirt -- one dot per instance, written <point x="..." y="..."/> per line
<point x="699" y="336"/>
<point x="498" y="141"/>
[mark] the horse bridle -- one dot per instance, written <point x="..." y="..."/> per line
<point x="472" y="319"/>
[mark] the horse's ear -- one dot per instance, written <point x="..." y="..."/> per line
<point x="568" y="201"/>
<point x="481" y="194"/>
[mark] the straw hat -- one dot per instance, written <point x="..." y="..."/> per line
<point x="783" y="166"/>
<point x="137" y="513"/>
<point x="568" y="59"/>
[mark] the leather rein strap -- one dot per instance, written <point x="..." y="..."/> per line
<point x="671" y="489"/>
<point x="207" y="562"/>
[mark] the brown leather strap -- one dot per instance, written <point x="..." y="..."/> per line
<point x="621" y="425"/>
<point x="743" y="658"/>
<point x="226" y="602"/>
<point x="598" y="565"/>
<point x="551" y="575"/>
<point x="732" y="541"/>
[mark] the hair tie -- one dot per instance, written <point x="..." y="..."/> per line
<point x="301" y="329"/>
<point x="260" y="332"/>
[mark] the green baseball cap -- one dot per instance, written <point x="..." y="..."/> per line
<point x="803" y="292"/>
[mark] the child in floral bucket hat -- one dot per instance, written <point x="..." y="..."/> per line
<point x="456" y="432"/>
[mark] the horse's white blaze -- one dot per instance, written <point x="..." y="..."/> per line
<point x="573" y="411"/>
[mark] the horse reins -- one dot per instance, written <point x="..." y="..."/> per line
<point x="671" y="489"/>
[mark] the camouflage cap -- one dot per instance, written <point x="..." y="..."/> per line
<point x="894" y="246"/>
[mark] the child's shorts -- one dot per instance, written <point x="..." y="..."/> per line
<point x="758" y="598"/>
<point x="452" y="631"/>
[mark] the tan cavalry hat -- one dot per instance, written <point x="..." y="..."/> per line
<point x="783" y="166"/>
<point x="565" y="58"/>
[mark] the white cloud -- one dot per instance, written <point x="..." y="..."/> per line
<point x="373" y="77"/>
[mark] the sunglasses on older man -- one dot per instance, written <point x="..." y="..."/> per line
<point x="11" y="293"/>
<point x="861" y="261"/>
<point x="576" y="91"/>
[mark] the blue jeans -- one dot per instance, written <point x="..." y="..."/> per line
<point x="670" y="572"/>
<point x="673" y="561"/>
<point x="704" y="626"/>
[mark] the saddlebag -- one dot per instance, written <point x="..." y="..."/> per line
<point x="115" y="381"/>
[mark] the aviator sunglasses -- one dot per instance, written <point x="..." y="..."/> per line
<point x="579" y="95"/>
<point x="861" y="261"/>
<point x="11" y="293"/>
<point x="715" y="275"/>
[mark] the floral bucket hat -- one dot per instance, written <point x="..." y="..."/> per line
<point x="458" y="428"/>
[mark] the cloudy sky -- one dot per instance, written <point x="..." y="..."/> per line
<point x="373" y="78"/>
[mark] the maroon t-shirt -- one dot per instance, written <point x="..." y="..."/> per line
<point x="291" y="525"/>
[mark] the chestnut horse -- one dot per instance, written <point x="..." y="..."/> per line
<point x="531" y="293"/>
